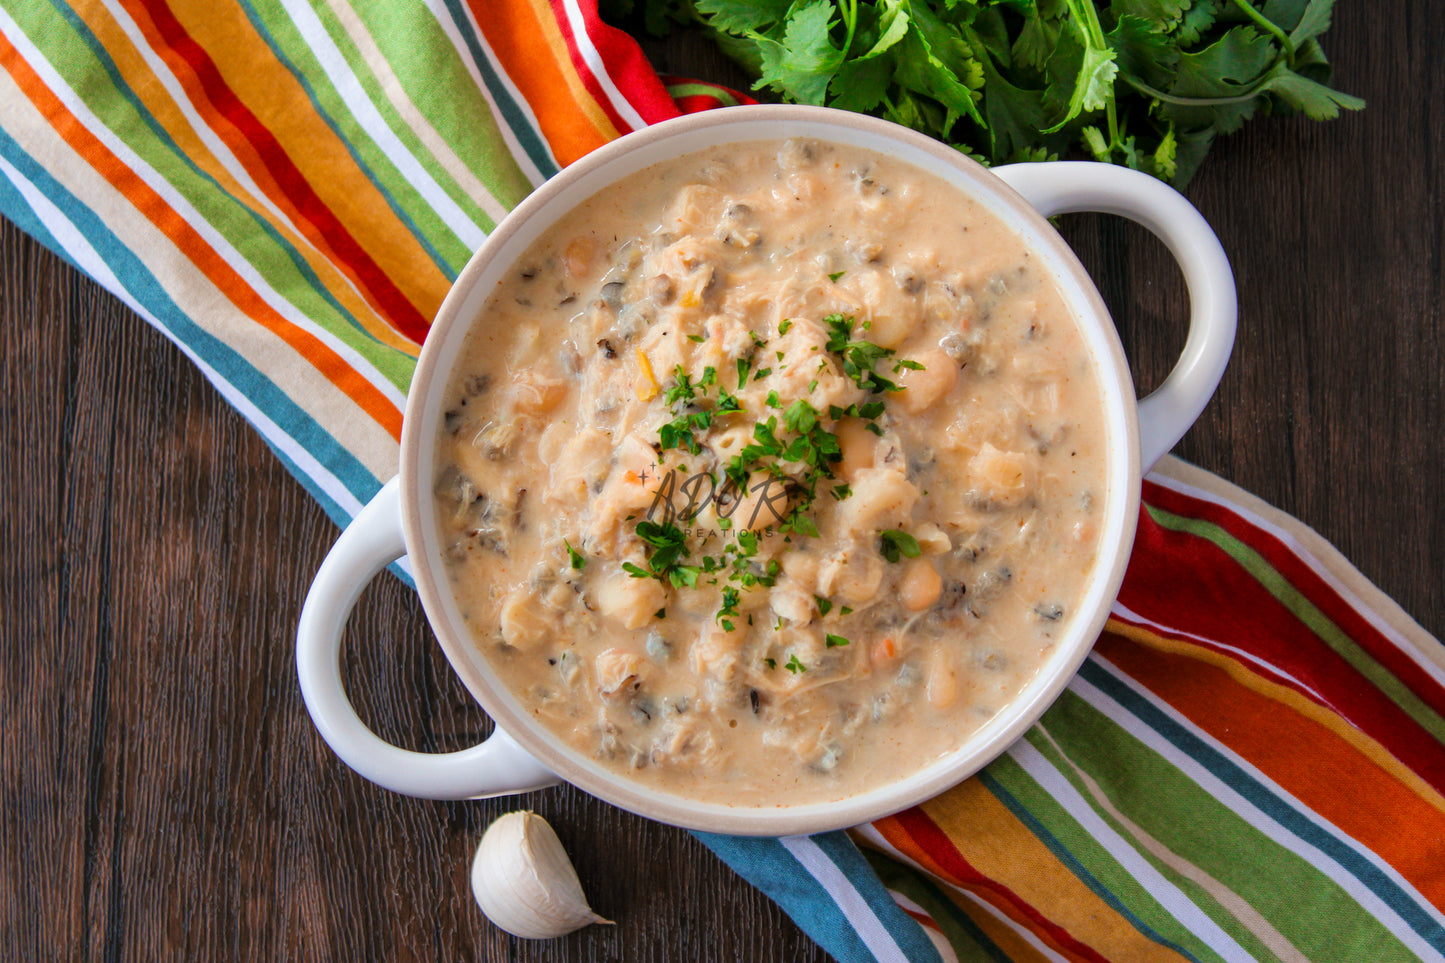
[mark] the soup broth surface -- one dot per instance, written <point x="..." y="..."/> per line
<point x="771" y="473"/>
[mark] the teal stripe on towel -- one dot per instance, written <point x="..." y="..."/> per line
<point x="767" y="864"/>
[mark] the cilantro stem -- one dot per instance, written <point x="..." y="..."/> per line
<point x="1268" y="26"/>
<point x="1088" y="14"/>
<point x="1096" y="37"/>
<point x="1160" y="95"/>
<point x="850" y="19"/>
<point x="1091" y="34"/>
<point x="1113" y="115"/>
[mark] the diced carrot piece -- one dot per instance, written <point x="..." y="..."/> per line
<point x="884" y="650"/>
<point x="647" y="388"/>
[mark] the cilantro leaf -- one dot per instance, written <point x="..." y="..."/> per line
<point x="1035" y="42"/>
<point x="741" y="16"/>
<point x="1314" y="21"/>
<point x="1143" y="49"/>
<point x="1196" y="20"/>
<point x="861" y="82"/>
<point x="1015" y="117"/>
<point x="1081" y="73"/>
<point x="936" y="61"/>
<point x="1163" y="12"/>
<point x="1225" y="66"/>
<point x="802" y="63"/>
<point x="1314" y="100"/>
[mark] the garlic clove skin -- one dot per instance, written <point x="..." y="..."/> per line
<point x="524" y="882"/>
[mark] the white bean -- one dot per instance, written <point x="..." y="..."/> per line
<point x="942" y="680"/>
<point x="920" y="586"/>
<point x="882" y="498"/>
<point x="522" y="621"/>
<point x="630" y="601"/>
<point x="923" y="387"/>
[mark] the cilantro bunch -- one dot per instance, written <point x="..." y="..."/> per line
<point x="1145" y="83"/>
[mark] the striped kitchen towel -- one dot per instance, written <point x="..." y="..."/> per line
<point x="1250" y="766"/>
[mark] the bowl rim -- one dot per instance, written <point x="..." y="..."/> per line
<point x="515" y="234"/>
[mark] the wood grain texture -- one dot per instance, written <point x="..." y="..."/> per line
<point x="163" y="794"/>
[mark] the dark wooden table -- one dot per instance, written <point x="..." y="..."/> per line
<point x="164" y="792"/>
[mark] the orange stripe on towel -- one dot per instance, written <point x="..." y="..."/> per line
<point x="569" y="117"/>
<point x="1268" y="723"/>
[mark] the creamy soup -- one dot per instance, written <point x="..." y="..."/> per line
<point x="771" y="473"/>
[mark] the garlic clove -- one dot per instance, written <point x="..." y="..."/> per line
<point x="525" y="883"/>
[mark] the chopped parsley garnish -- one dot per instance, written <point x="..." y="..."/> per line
<point x="577" y="560"/>
<point x="681" y="389"/>
<point x="696" y="337"/>
<point x="893" y="545"/>
<point x="834" y="641"/>
<point x="794" y="666"/>
<point x="729" y="610"/>
<point x="859" y="356"/>
<point x="666" y="549"/>
<point x="799" y="522"/>
<point x="790" y="453"/>
<point x="835" y="275"/>
<point x="869" y="410"/>
<point x="800" y="417"/>
<point x="744" y="366"/>
<point x="682" y="431"/>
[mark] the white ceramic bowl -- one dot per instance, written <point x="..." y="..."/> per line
<point x="521" y="755"/>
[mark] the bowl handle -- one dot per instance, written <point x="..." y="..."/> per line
<point x="1062" y="187"/>
<point x="372" y="541"/>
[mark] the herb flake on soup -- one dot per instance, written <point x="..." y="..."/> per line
<point x="771" y="473"/>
